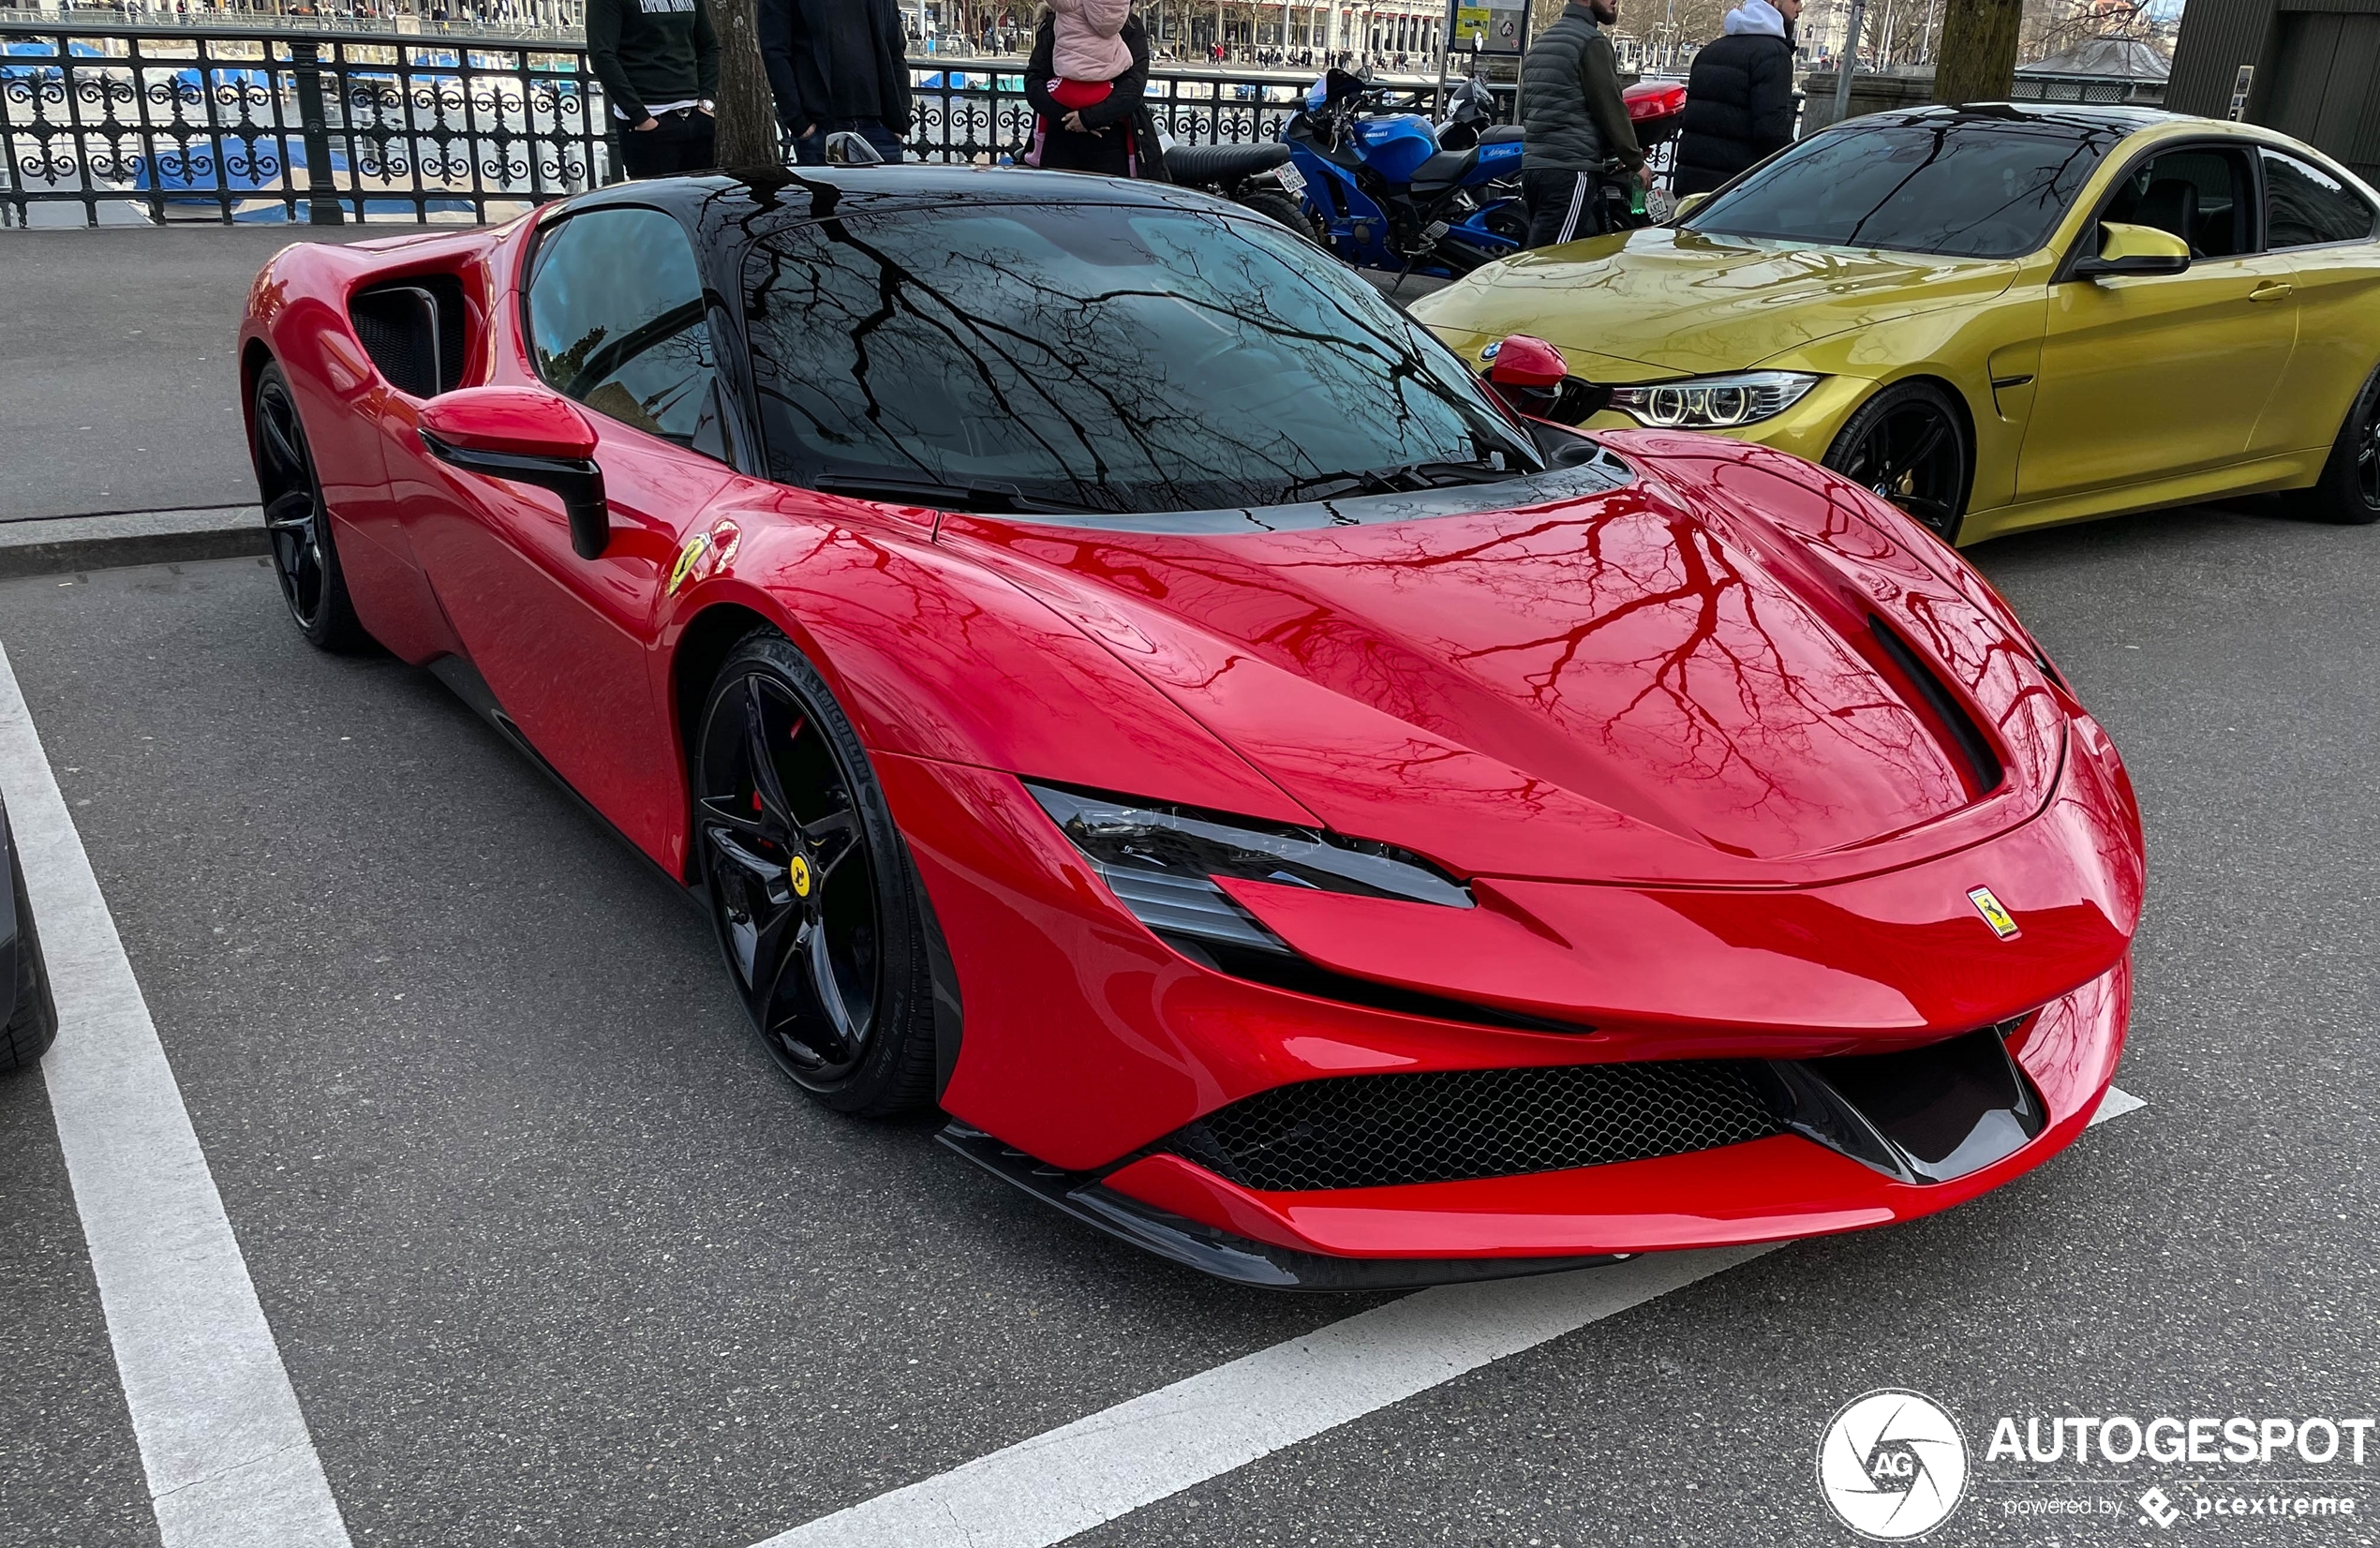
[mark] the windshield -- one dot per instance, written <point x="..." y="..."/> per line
<point x="1951" y="185"/>
<point x="1100" y="357"/>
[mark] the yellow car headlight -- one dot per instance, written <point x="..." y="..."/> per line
<point x="1713" y="403"/>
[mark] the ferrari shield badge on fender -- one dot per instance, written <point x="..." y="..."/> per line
<point x="2003" y="924"/>
<point x="687" y="555"/>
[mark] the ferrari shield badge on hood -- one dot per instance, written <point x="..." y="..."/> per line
<point x="2003" y="924"/>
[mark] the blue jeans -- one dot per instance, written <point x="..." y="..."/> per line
<point x="810" y="149"/>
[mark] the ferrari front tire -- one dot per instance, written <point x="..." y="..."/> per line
<point x="2349" y="490"/>
<point x="297" y="522"/>
<point x="809" y="884"/>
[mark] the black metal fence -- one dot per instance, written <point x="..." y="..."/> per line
<point x="121" y="123"/>
<point x="229" y="125"/>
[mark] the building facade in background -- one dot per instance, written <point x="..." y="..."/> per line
<point x="2314" y="70"/>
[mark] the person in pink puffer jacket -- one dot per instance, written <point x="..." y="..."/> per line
<point x="1089" y="71"/>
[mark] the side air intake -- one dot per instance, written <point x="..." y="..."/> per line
<point x="414" y="331"/>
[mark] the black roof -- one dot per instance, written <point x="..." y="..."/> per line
<point x="818" y="193"/>
<point x="2076" y="118"/>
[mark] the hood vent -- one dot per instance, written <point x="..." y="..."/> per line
<point x="1983" y="764"/>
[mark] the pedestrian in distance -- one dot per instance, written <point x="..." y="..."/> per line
<point x="658" y="62"/>
<point x="1087" y="81"/>
<point x="836" y="65"/>
<point x="1574" y="126"/>
<point x="1739" y="98"/>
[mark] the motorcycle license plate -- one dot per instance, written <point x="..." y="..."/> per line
<point x="1291" y="178"/>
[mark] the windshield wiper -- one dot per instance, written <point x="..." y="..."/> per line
<point x="982" y="496"/>
<point x="1438" y="474"/>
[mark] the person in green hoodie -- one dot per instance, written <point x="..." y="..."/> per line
<point x="658" y="62"/>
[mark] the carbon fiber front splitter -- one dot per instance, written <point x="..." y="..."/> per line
<point x="1221" y="1253"/>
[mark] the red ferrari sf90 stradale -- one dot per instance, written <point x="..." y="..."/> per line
<point x="1108" y="673"/>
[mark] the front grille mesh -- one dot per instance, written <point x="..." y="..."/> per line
<point x="1374" y="1130"/>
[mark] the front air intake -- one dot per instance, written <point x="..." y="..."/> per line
<point x="1378" y="1130"/>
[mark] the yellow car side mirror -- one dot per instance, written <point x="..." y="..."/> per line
<point x="1687" y="205"/>
<point x="2134" y="250"/>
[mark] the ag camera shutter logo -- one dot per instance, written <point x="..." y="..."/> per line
<point x="1891" y="1464"/>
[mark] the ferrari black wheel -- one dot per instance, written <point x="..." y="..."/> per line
<point x="1908" y="444"/>
<point x="295" y="521"/>
<point x="2349" y="491"/>
<point x="810" y="886"/>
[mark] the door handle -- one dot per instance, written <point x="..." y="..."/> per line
<point x="2271" y="289"/>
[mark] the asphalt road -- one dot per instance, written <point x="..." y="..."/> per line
<point x="553" y="1257"/>
<point x="119" y="379"/>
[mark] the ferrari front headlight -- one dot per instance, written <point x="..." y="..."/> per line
<point x="1713" y="403"/>
<point x="1161" y="861"/>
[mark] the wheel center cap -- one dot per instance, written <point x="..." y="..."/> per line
<point x="797" y="876"/>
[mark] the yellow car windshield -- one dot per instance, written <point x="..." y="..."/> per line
<point x="1964" y="185"/>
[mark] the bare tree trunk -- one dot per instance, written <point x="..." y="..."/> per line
<point x="747" y="114"/>
<point x="1978" y="58"/>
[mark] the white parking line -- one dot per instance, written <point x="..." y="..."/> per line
<point x="1044" y="1490"/>
<point x="228" y="1459"/>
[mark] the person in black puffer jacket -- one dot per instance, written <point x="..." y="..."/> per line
<point x="1739" y="100"/>
<point x="836" y="65"/>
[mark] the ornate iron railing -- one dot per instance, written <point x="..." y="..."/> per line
<point x="134" y="123"/>
<point x="227" y="125"/>
<point x="564" y="27"/>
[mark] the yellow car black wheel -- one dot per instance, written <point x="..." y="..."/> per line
<point x="1909" y="444"/>
<point x="2349" y="492"/>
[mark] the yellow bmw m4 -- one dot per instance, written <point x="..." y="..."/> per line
<point x="1997" y="317"/>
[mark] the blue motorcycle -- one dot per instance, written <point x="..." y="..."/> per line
<point x="1383" y="195"/>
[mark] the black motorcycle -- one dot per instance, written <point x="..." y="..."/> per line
<point x="1257" y="177"/>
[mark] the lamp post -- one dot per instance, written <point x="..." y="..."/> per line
<point x="1848" y="62"/>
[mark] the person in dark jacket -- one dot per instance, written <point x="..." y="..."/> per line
<point x="836" y="65"/>
<point x="1574" y="127"/>
<point x="658" y="62"/>
<point x="1739" y="99"/>
<point x="1112" y="135"/>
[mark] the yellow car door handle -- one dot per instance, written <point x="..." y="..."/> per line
<point x="2271" y="289"/>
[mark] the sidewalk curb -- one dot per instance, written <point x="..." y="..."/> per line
<point x="54" y="545"/>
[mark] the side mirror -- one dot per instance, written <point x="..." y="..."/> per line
<point x="2134" y="250"/>
<point x="526" y="436"/>
<point x="1531" y="377"/>
<point x="1521" y="361"/>
<point x="848" y="148"/>
<point x="1688" y="204"/>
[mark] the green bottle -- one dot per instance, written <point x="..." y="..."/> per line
<point x="1636" y="198"/>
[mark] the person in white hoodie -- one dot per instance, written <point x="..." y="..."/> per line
<point x="1739" y="99"/>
